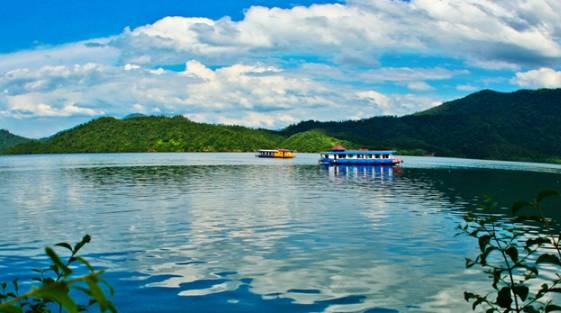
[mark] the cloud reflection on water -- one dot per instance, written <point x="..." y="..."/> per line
<point x="350" y="238"/>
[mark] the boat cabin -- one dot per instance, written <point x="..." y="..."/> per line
<point x="277" y="153"/>
<point x="339" y="155"/>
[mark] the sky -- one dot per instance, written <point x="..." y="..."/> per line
<point x="267" y="63"/>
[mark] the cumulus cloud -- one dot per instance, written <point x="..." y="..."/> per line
<point x="247" y="94"/>
<point x="540" y="78"/>
<point x="482" y="32"/>
<point x="277" y="66"/>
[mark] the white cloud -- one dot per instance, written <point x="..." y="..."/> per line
<point x="466" y="88"/>
<point x="398" y="104"/>
<point x="419" y="86"/>
<point x="131" y="67"/>
<point x="408" y="74"/>
<point x="24" y="106"/>
<point x="376" y="98"/>
<point x="254" y="71"/>
<point x="247" y="94"/>
<point x="541" y="78"/>
<point x="482" y="32"/>
<point x="90" y="51"/>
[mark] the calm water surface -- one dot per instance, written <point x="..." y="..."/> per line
<point x="193" y="232"/>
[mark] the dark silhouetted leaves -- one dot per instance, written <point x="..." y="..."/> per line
<point x="512" y="252"/>
<point x="548" y="258"/>
<point x="521" y="291"/>
<point x="504" y="298"/>
<point x="514" y="266"/>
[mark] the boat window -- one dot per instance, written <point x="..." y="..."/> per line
<point x="359" y="156"/>
<point x="377" y="156"/>
<point x="341" y="156"/>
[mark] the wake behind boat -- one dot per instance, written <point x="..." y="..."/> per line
<point x="340" y="155"/>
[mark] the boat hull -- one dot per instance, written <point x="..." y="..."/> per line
<point x="275" y="157"/>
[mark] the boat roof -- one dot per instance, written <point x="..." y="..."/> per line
<point x="274" y="150"/>
<point x="360" y="152"/>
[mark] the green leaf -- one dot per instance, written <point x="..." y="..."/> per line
<point x="548" y="258"/>
<point x="97" y="294"/>
<point x="10" y="308"/>
<point x="552" y="307"/>
<point x="537" y="241"/>
<point x="476" y="303"/>
<point x="83" y="261"/>
<point x="106" y="283"/>
<point x="79" y="245"/>
<point x="57" y="262"/>
<point x="57" y="292"/>
<point x="64" y="245"/>
<point x="512" y="253"/>
<point x="483" y="242"/>
<point x="468" y="295"/>
<point x="521" y="291"/>
<point x="504" y="298"/>
<point x="546" y="194"/>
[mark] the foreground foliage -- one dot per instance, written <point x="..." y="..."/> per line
<point x="513" y="258"/>
<point x="58" y="287"/>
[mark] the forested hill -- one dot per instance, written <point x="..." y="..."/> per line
<point x="523" y="125"/>
<point x="138" y="133"/>
<point x="8" y="139"/>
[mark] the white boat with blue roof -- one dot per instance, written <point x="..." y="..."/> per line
<point x="340" y="155"/>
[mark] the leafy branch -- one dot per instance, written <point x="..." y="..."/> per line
<point x="57" y="286"/>
<point x="512" y="258"/>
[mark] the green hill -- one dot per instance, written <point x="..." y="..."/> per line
<point x="8" y="139"/>
<point x="152" y="134"/>
<point x="523" y="125"/>
<point x="313" y="141"/>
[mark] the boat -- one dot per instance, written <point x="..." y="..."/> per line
<point x="276" y="154"/>
<point x="340" y="155"/>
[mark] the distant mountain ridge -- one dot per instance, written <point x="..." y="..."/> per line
<point x="8" y="139"/>
<point x="522" y="125"/>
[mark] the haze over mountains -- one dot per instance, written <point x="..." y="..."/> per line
<point x="522" y="125"/>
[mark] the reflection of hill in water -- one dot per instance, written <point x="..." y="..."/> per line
<point x="504" y="186"/>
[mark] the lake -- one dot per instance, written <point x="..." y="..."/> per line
<point x="208" y="232"/>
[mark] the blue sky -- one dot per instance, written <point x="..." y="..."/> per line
<point x="264" y="63"/>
